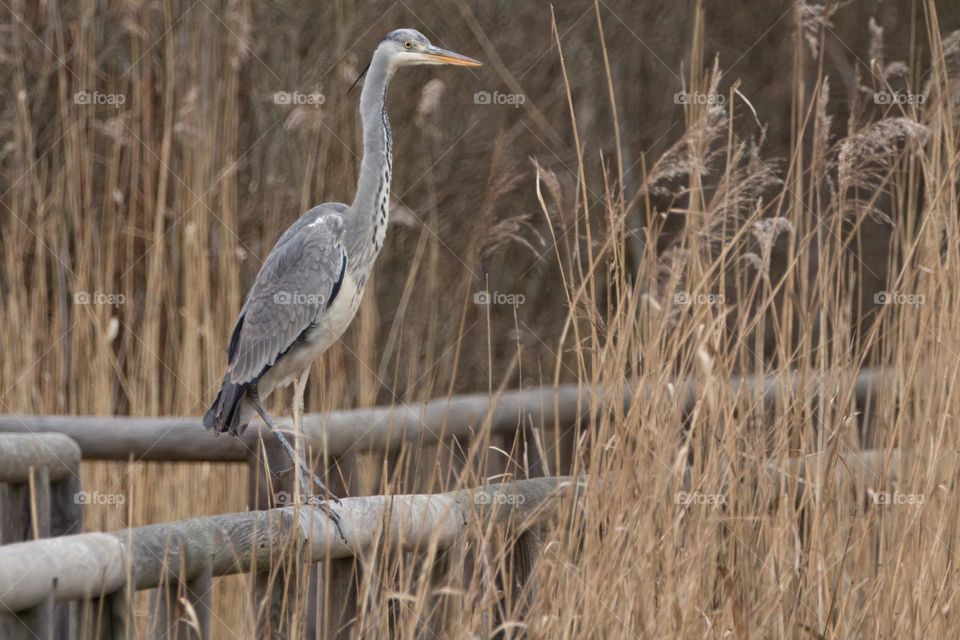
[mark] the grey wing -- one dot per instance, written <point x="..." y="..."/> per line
<point x="299" y="279"/>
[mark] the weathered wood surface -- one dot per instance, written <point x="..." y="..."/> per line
<point x="39" y="485"/>
<point x="267" y="489"/>
<point x="79" y="566"/>
<point x="386" y="428"/>
<point x="183" y="557"/>
<point x="39" y="481"/>
<point x="92" y="564"/>
<point x="68" y="567"/>
<point x="56" y="453"/>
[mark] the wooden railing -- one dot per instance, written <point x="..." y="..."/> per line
<point x="39" y="497"/>
<point x="386" y="428"/>
<point x="100" y="571"/>
<point x="55" y="584"/>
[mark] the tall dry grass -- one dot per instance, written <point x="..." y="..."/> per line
<point x="727" y="249"/>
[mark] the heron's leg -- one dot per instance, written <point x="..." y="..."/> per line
<point x="297" y="460"/>
<point x="294" y="458"/>
<point x="299" y="387"/>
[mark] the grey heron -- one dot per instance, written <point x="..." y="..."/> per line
<point x="311" y="283"/>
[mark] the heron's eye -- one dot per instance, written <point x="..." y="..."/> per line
<point x="408" y="45"/>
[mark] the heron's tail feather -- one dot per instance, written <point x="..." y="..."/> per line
<point x="227" y="413"/>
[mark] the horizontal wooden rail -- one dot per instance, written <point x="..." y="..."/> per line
<point x="386" y="428"/>
<point x="108" y="567"/>
<point x="19" y="453"/>
<point x="96" y="564"/>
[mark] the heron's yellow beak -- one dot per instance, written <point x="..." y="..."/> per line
<point x="436" y="55"/>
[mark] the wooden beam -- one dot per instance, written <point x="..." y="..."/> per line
<point x="106" y="617"/>
<point x="39" y="480"/>
<point x="79" y="566"/>
<point x="386" y="428"/>
<point x="170" y="618"/>
<point x="332" y="583"/>
<point x="68" y="568"/>
<point x="269" y="484"/>
<point x="57" y="453"/>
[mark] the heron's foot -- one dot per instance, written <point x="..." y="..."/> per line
<point x="306" y="475"/>
<point x="324" y="505"/>
<point x="282" y="474"/>
<point x="328" y="495"/>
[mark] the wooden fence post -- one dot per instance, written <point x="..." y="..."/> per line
<point x="175" y="621"/>
<point x="447" y="598"/>
<point x="106" y="617"/>
<point x="35" y="518"/>
<point x="270" y="483"/>
<point x="39" y="483"/>
<point x="332" y="596"/>
<point x="66" y="517"/>
<point x="524" y="556"/>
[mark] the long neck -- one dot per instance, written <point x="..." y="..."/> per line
<point x="367" y="221"/>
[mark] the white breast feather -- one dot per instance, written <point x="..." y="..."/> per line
<point x="330" y="326"/>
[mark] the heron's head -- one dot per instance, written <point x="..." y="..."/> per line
<point x="409" y="47"/>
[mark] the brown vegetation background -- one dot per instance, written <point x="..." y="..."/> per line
<point x="598" y="200"/>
